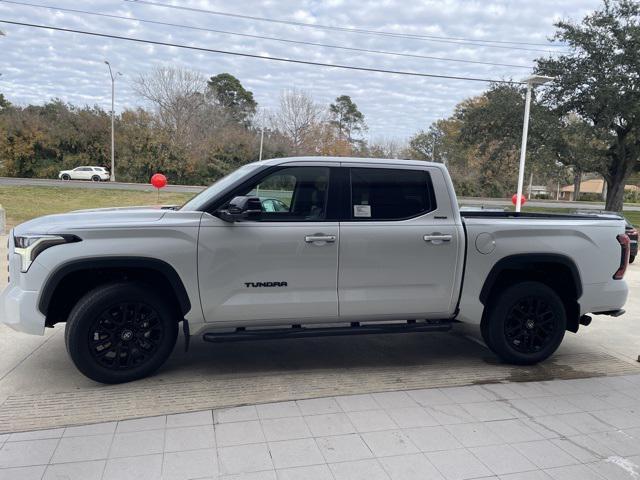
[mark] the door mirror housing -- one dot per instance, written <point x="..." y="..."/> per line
<point x="241" y="208"/>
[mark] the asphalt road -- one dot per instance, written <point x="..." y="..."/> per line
<point x="487" y="202"/>
<point x="43" y="182"/>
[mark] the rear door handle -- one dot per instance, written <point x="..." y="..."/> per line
<point x="320" y="238"/>
<point x="437" y="238"/>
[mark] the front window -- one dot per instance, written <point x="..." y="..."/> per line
<point x="292" y="194"/>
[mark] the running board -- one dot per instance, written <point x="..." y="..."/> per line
<point x="297" y="331"/>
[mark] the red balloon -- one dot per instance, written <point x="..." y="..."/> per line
<point x="514" y="199"/>
<point x="159" y="180"/>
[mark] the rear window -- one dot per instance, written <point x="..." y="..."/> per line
<point x="390" y="194"/>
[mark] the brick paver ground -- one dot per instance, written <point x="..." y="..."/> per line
<point x="565" y="429"/>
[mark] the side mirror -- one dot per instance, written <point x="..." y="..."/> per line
<point x="241" y="208"/>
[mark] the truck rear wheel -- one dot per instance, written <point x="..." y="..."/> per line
<point x="120" y="332"/>
<point x="525" y="323"/>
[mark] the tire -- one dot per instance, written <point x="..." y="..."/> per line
<point x="632" y="258"/>
<point x="484" y="331"/>
<point x="525" y="324"/>
<point x="95" y="178"/>
<point x="108" y="347"/>
<point x="66" y="177"/>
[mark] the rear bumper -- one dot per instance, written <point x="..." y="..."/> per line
<point x="19" y="310"/>
<point x="604" y="297"/>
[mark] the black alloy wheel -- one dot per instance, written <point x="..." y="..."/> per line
<point x="530" y="325"/>
<point x="119" y="332"/>
<point x="126" y="335"/>
<point x="524" y="323"/>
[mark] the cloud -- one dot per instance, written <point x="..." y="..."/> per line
<point x="37" y="65"/>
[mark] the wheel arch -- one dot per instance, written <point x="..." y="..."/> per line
<point x="557" y="271"/>
<point x="66" y="284"/>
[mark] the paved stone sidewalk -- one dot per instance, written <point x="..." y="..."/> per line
<point x="566" y="429"/>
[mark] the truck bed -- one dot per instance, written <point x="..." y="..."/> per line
<point x="587" y="242"/>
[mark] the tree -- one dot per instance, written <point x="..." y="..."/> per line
<point x="4" y="103"/>
<point x="580" y="149"/>
<point x="491" y="130"/>
<point x="346" y="117"/>
<point x="177" y="95"/>
<point x="428" y="145"/>
<point x="599" y="81"/>
<point x="480" y="142"/>
<point x="385" y="148"/>
<point x="228" y="93"/>
<point x="297" y="118"/>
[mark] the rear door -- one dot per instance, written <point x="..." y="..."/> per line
<point x="280" y="267"/>
<point x="400" y="251"/>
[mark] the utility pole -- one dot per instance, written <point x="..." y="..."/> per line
<point x="113" y="139"/>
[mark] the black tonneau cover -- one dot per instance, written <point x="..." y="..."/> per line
<point x="552" y="216"/>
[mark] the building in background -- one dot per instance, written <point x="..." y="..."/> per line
<point x="596" y="189"/>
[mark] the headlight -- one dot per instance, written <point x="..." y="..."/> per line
<point x="30" y="246"/>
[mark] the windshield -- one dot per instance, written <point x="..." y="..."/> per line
<point x="218" y="187"/>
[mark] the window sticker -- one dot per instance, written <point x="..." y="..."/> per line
<point x="362" y="211"/>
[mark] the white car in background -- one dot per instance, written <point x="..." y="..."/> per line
<point x="95" y="174"/>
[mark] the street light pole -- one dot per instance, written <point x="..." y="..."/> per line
<point x="531" y="82"/>
<point x="113" y="101"/>
<point x="261" y="142"/>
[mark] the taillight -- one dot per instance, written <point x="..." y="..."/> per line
<point x="623" y="240"/>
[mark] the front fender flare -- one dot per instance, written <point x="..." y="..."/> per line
<point x="162" y="267"/>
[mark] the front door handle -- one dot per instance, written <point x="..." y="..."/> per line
<point x="437" y="238"/>
<point x="320" y="238"/>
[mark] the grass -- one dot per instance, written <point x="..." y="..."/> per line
<point x="24" y="203"/>
<point x="633" y="217"/>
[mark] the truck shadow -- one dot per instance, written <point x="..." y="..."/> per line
<point x="440" y="358"/>
<point x="367" y="351"/>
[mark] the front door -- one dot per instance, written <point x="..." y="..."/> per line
<point x="280" y="267"/>
<point x="399" y="252"/>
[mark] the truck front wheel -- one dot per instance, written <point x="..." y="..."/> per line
<point x="120" y="332"/>
<point x="525" y="323"/>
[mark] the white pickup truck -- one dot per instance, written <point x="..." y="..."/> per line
<point x="309" y="246"/>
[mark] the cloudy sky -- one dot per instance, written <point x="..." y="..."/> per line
<point x="37" y="65"/>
